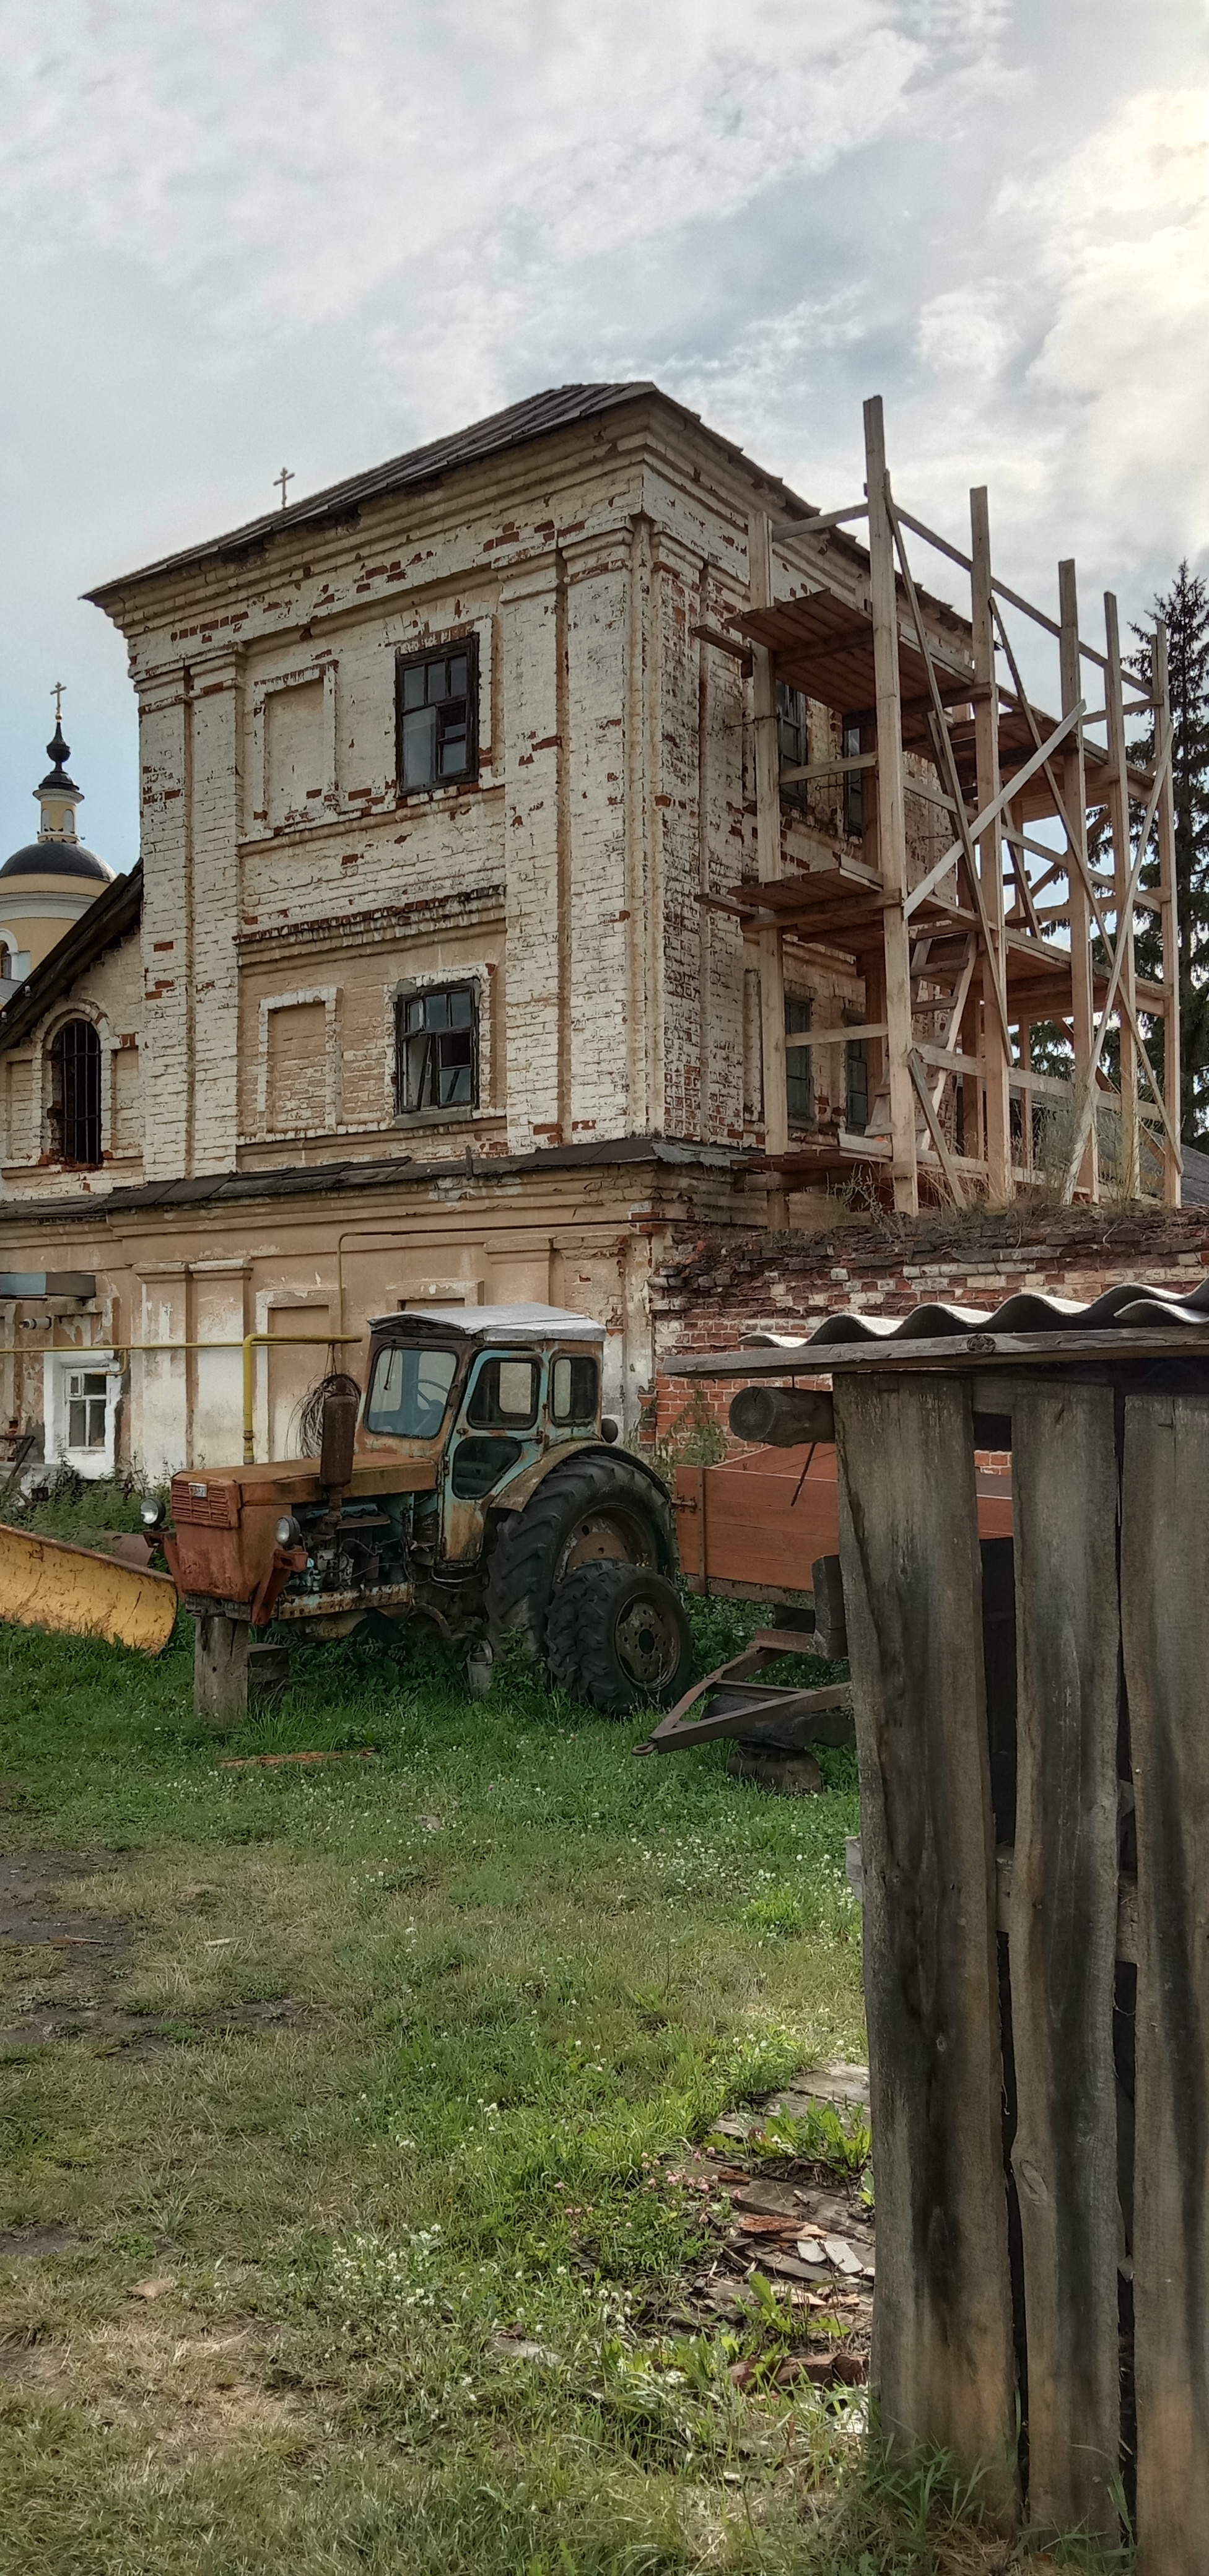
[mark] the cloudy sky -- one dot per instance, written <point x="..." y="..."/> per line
<point x="236" y="234"/>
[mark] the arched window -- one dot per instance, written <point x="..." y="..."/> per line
<point x="75" y="1092"/>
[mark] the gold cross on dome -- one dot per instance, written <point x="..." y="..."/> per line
<point x="285" y="476"/>
<point x="57" y="695"/>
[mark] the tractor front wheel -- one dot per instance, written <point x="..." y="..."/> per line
<point x="618" y="1638"/>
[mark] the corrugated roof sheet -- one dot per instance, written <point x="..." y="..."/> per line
<point x="540" y="414"/>
<point x="1132" y="1303"/>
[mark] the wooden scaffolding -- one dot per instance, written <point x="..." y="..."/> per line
<point x="967" y="929"/>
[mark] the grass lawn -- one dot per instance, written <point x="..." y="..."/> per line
<point x="341" y="2109"/>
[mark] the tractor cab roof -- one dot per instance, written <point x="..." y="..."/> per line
<point x="479" y="1324"/>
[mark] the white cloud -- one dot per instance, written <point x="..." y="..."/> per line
<point x="242" y="230"/>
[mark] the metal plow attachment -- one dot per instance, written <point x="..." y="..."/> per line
<point x="45" y="1583"/>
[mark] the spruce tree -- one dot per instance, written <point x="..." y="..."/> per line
<point x="1184" y="610"/>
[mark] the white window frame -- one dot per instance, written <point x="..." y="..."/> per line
<point x="58" y="1368"/>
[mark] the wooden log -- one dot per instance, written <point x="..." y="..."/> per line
<point x="913" y="1592"/>
<point x="1063" y="1945"/>
<point x="1165" y="1630"/>
<point x="220" y="1668"/>
<point x="782" y="1416"/>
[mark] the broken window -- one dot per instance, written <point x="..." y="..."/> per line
<point x="87" y="1398"/>
<point x="857" y="1107"/>
<point x="75" y="1093"/>
<point x="793" y="738"/>
<point x="437" y="1049"/>
<point x="799" y="1075"/>
<point x="438" y="718"/>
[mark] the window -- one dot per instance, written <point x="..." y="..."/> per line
<point x="854" y="783"/>
<point x="856" y="1115"/>
<point x="437" y="1050"/>
<point x="573" y="1390"/>
<point x="504" y="1396"/>
<point x="799" y="1078"/>
<point x="87" y="1397"/>
<point x="75" y="1092"/>
<point x="793" y="738"/>
<point x="410" y="1392"/>
<point x="438" y="728"/>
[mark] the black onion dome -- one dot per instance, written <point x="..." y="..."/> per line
<point x="57" y="859"/>
<point x="58" y="751"/>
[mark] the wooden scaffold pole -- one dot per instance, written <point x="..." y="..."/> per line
<point x="990" y="854"/>
<point x="1172" y="1161"/>
<point x="891" y="815"/>
<point x="1074" y="783"/>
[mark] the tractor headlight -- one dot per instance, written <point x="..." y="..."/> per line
<point x="287" y="1532"/>
<point x="152" y="1512"/>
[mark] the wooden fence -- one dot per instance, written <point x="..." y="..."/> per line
<point x="1035" y="1832"/>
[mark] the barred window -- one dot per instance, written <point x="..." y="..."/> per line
<point x="437" y="1049"/>
<point x="438" y="717"/>
<point x="75" y="1092"/>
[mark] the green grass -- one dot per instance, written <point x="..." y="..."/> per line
<point x="365" y="2133"/>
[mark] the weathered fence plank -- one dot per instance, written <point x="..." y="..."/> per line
<point x="1063" y="1945"/>
<point x="1165" y="1625"/>
<point x="912" y="1587"/>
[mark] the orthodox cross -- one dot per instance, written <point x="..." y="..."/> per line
<point x="57" y="695"/>
<point x="283" y="478"/>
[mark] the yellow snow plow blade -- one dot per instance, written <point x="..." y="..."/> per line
<point x="45" y="1583"/>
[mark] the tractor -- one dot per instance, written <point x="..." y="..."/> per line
<point x="474" y="1485"/>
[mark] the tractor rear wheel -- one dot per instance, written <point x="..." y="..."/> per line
<point x="617" y="1637"/>
<point x="592" y="1510"/>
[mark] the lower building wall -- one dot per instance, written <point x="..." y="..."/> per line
<point x="147" y="1375"/>
<point x="725" y="1288"/>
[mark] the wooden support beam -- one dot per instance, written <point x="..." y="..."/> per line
<point x="768" y="845"/>
<point x="913" y="1603"/>
<point x="829" y="768"/>
<point x="1078" y="856"/>
<point x="990" y="852"/>
<point x="1165" y="1633"/>
<point x="891" y="816"/>
<point x="1074" y="782"/>
<point x="1118" y="820"/>
<point x="1124" y="942"/>
<point x="975" y="829"/>
<point x="1064" y="1490"/>
<point x="935" y="1130"/>
<point x="1174" y="1163"/>
<point x="785" y="530"/>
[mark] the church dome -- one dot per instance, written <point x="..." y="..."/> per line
<point x="57" y="859"/>
<point x="49" y="883"/>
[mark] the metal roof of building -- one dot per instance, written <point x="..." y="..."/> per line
<point x="537" y="417"/>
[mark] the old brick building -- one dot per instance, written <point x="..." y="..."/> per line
<point x="430" y="984"/>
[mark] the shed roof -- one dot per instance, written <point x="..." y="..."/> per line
<point x="1134" y="1319"/>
